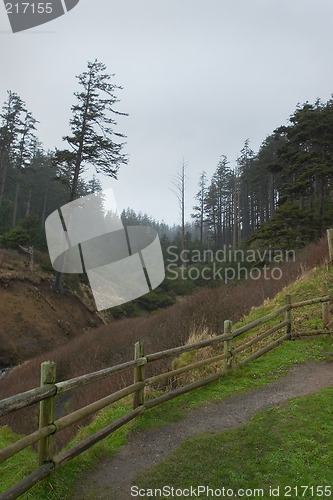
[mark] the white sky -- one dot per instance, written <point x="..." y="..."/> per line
<point x="199" y="77"/>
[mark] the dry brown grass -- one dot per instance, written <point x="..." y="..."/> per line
<point x="14" y="265"/>
<point x="201" y="332"/>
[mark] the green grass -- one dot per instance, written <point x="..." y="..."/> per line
<point x="290" y="445"/>
<point x="258" y="373"/>
<point x="306" y="287"/>
<point x="59" y="484"/>
<point x="266" y="369"/>
<point x="16" y="467"/>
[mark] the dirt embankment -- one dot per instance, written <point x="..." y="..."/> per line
<point x="35" y="319"/>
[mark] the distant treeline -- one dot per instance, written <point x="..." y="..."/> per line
<point x="281" y="195"/>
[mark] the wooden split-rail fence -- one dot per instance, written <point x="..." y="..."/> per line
<point x="49" y="388"/>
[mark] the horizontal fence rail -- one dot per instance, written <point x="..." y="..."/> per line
<point x="226" y="359"/>
<point x="68" y="385"/>
<point x="260" y="321"/>
<point x="25" y="399"/>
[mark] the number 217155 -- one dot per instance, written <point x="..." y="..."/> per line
<point x="29" y="8"/>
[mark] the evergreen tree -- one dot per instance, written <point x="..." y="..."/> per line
<point x="303" y="166"/>
<point x="11" y="125"/>
<point x="219" y="204"/>
<point x="92" y="126"/>
<point x="18" y="144"/>
<point x="92" y="141"/>
<point x="27" y="148"/>
<point x="243" y="194"/>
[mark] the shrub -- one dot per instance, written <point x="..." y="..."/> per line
<point x="27" y="231"/>
<point x="155" y="300"/>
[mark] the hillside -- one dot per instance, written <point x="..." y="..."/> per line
<point x="259" y="373"/>
<point x="111" y="344"/>
<point x="34" y="319"/>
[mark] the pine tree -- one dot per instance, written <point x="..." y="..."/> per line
<point x="9" y="132"/>
<point x="306" y="159"/>
<point x="218" y="204"/>
<point x="243" y="194"/>
<point x="92" y="126"/>
<point x="27" y="148"/>
<point x="17" y="147"/>
<point x="93" y="139"/>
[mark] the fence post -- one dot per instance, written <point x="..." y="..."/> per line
<point x="325" y="306"/>
<point x="139" y="375"/>
<point x="227" y="344"/>
<point x="46" y="412"/>
<point x="330" y="244"/>
<point x="288" y="316"/>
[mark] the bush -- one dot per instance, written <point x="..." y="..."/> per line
<point x="127" y="310"/>
<point x="16" y="236"/>
<point x="27" y="231"/>
<point x="155" y="300"/>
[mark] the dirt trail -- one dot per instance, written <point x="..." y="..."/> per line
<point x="113" y="478"/>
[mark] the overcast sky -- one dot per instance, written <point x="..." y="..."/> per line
<point x="199" y="77"/>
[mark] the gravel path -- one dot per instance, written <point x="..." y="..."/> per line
<point x="113" y="478"/>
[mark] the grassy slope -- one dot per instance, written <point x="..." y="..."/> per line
<point x="281" y="447"/>
<point x="258" y="373"/>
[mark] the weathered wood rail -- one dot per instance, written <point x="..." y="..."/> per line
<point x="45" y="394"/>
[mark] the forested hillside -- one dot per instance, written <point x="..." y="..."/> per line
<point x="280" y="195"/>
<point x="34" y="182"/>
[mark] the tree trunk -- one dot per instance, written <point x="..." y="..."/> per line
<point x="27" y="213"/>
<point x="17" y="190"/>
<point x="3" y="181"/>
<point x="58" y="284"/>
